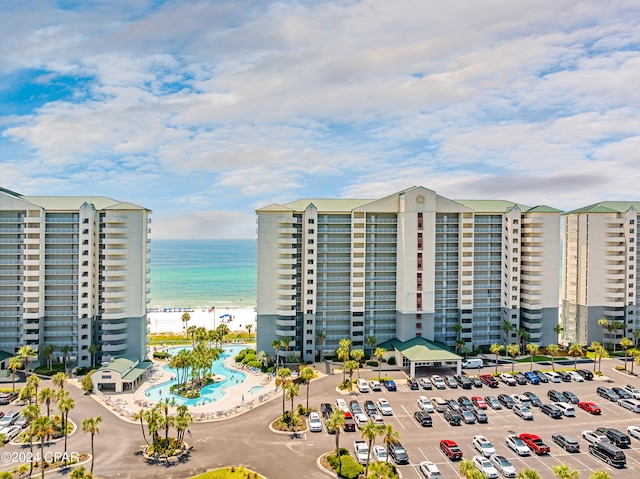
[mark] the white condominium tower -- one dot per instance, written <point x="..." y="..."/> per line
<point x="73" y="273"/>
<point x="410" y="264"/>
<point x="600" y="278"/>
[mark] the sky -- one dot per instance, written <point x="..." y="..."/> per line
<point x="204" y="111"/>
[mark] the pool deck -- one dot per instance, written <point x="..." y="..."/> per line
<point x="237" y="398"/>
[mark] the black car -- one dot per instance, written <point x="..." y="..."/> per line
<point x="453" y="405"/>
<point x="566" y="442"/>
<point x="389" y="385"/>
<point x="623" y="393"/>
<point x="398" y="453"/>
<point x="541" y="376"/>
<point x="617" y="438"/>
<point x="463" y="381"/>
<point x="505" y="400"/>
<point x="607" y="393"/>
<point x="556" y="396"/>
<point x="480" y="415"/>
<point x="452" y="418"/>
<point x="566" y="377"/>
<point x="535" y="400"/>
<point x="477" y="383"/>
<point x="551" y="411"/>
<point x="572" y="398"/>
<point x="586" y="374"/>
<point x="413" y="384"/>
<point x="370" y="407"/>
<point x="520" y="378"/>
<point x="423" y="418"/>
<point x="354" y="407"/>
<point x="326" y="409"/>
<point x="465" y="403"/>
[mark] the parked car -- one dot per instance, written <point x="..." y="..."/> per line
<point x="567" y="409"/>
<point x="360" y="419"/>
<point x="472" y="363"/>
<point x="489" y="380"/>
<point x="508" y="379"/>
<point x="622" y="393"/>
<point x="467" y="416"/>
<point x="380" y="453"/>
<point x="451" y="449"/>
<point x="475" y="380"/>
<point x="586" y="374"/>
<point x="463" y="381"/>
<point x="363" y="386"/>
<point x="634" y="431"/>
<point x="556" y="396"/>
<point x="630" y="404"/>
<point x="590" y="407"/>
<point x="315" y="424"/>
<point x="398" y="453"/>
<point x="453" y="418"/>
<point x="523" y="411"/>
<point x="616" y="437"/>
<point x="607" y="393"/>
<point x="424" y="404"/>
<point x="576" y="376"/>
<point x="572" y="398"/>
<point x="479" y="402"/>
<point x="484" y="466"/>
<point x="349" y="422"/>
<point x="505" y="400"/>
<point x="566" y="377"/>
<point x="503" y="465"/>
<point x="465" y="402"/>
<point x="480" y="416"/>
<point x="517" y="445"/>
<point x="535" y="400"/>
<point x="493" y="402"/>
<point x="566" y="442"/>
<point x="384" y="407"/>
<point x="532" y="377"/>
<point x="554" y="377"/>
<point x="451" y="382"/>
<point x="377" y="419"/>
<point x="8" y="397"/>
<point x="10" y="432"/>
<point x="389" y="385"/>
<point x="375" y="385"/>
<point x="370" y="408"/>
<point x="354" y="407"/>
<point x="439" y="404"/>
<point x="425" y="383"/>
<point x="9" y="418"/>
<point x="551" y="411"/>
<point x="608" y="453"/>
<point x="542" y="376"/>
<point x="341" y="404"/>
<point x="483" y="445"/>
<point x="438" y="382"/>
<point x="430" y="470"/>
<point x="635" y="392"/>
<point x="593" y="436"/>
<point x="535" y="444"/>
<point x="326" y="410"/>
<point x="453" y="405"/>
<point x="413" y="384"/>
<point x="521" y="399"/>
<point x="520" y="379"/>
<point x="423" y="418"/>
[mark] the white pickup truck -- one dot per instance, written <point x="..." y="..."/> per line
<point x="361" y="450"/>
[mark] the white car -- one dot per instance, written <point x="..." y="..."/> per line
<point x="10" y="432"/>
<point x="635" y="392"/>
<point x="521" y="399"/>
<point x="594" y="437"/>
<point x="430" y="470"/>
<point x="567" y="409"/>
<point x="483" y="465"/>
<point x="438" y="382"/>
<point x="483" y="446"/>
<point x="361" y="419"/>
<point x="375" y="385"/>
<point x="517" y="445"/>
<point x="315" y="424"/>
<point x="523" y="411"/>
<point x="384" y="407"/>
<point x="377" y="419"/>
<point x="425" y="383"/>
<point x="508" y="379"/>
<point x="425" y="404"/>
<point x="576" y="376"/>
<point x="341" y="404"/>
<point x="634" y="431"/>
<point x="380" y="453"/>
<point x="630" y="404"/>
<point x="554" y="377"/>
<point x="503" y="465"/>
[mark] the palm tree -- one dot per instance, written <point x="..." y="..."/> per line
<point x="15" y="363"/>
<point x="286" y="341"/>
<point x="528" y="474"/>
<point x="292" y="390"/>
<point x="320" y="337"/>
<point x="600" y="475"/>
<point x="65" y="404"/>
<point x="248" y="328"/>
<point x="558" y="329"/>
<point x="90" y="425"/>
<point x="26" y="354"/>
<point x="552" y="349"/>
<point x="379" y="353"/>
<point x="186" y="317"/>
<point x="59" y="380"/>
<point x="533" y="350"/>
<point x="523" y="335"/>
<point x="513" y="350"/>
<point x="283" y="375"/>
<point x="636" y="337"/>
<point x="626" y="343"/>
<point x="390" y="436"/>
<point x="562" y="471"/>
<point x="507" y="327"/>
<point x="350" y="366"/>
<point x="604" y="324"/>
<point x="31" y="412"/>
<point x="343" y="354"/>
<point x="93" y="350"/>
<point x="46" y="396"/>
<point x="496" y="349"/>
<point x="182" y="421"/>
<point x="275" y="344"/>
<point x="34" y="382"/>
<point x="371" y="342"/>
<point x="635" y="354"/>
<point x="307" y="374"/>
<point x="140" y="416"/>
<point x="617" y="326"/>
<point x="458" y="329"/>
<point x="357" y="355"/>
<point x="336" y="423"/>
<point x="47" y="353"/>
<point x="65" y="350"/>
<point x="576" y="351"/>
<point x="43" y="428"/>
<point x="370" y="432"/>
<point x="467" y="469"/>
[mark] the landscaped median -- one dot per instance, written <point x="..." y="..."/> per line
<point x="345" y="466"/>
<point x="230" y="472"/>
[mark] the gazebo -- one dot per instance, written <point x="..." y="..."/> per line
<point x="421" y="352"/>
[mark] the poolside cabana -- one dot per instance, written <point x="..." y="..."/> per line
<point x="421" y="352"/>
<point x="122" y="373"/>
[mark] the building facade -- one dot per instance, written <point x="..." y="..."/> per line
<point x="73" y="274"/>
<point x="412" y="264"/>
<point x="600" y="272"/>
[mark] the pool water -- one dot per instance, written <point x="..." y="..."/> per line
<point x="208" y="394"/>
<point x="256" y="390"/>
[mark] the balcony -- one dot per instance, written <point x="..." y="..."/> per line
<point x="112" y="348"/>
<point x="114" y="337"/>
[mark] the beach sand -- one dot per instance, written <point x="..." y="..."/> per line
<point x="235" y="318"/>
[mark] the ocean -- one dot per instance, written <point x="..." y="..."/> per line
<point x="203" y="273"/>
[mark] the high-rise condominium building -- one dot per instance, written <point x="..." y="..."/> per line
<point x="600" y="278"/>
<point x="73" y="273"/>
<point x="410" y="264"/>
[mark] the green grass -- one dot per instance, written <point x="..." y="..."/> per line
<point x="539" y="359"/>
<point x="225" y="473"/>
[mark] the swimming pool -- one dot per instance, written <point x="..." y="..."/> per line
<point x="256" y="390"/>
<point x="208" y="394"/>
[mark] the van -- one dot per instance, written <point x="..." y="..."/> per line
<point x="439" y="404"/>
<point x="473" y="363"/>
<point x="363" y="387"/>
<point x="608" y="453"/>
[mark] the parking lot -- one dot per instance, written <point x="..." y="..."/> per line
<point x="422" y="443"/>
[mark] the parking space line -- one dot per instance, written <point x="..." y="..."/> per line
<point x="398" y="421"/>
<point x="579" y="461"/>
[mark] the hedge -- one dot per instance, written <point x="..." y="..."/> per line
<point x="350" y="468"/>
<point x="161" y="355"/>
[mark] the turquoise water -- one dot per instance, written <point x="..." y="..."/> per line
<point x="198" y="273"/>
<point x="209" y="394"/>
<point x="256" y="390"/>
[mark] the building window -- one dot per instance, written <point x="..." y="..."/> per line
<point x="309" y="261"/>
<point x="309" y="301"/>
<point x="310" y="241"/>
<point x="309" y="341"/>
<point x="311" y="231"/>
<point x="84" y="285"/>
<point x="311" y="221"/>
<point x="309" y="311"/>
<point x="309" y="271"/>
<point x="309" y="281"/>
<point x="309" y="291"/>
<point x="309" y="331"/>
<point x="309" y="321"/>
<point x="309" y="251"/>
<point x="85" y="221"/>
<point x="85" y="231"/>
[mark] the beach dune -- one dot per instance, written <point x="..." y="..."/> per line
<point x="236" y="319"/>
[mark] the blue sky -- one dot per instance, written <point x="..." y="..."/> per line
<point x="204" y="111"/>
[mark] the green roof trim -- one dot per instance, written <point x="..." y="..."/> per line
<point x="420" y="349"/>
<point x="121" y="364"/>
<point x="5" y="355"/>
<point x="137" y="371"/>
<point x="607" y="207"/>
<point x="543" y="209"/>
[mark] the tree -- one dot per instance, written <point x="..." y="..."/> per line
<point x="533" y="350"/>
<point x="604" y="324"/>
<point x="458" y="329"/>
<point x="320" y="337"/>
<point x="558" y="329"/>
<point x="336" y="423"/>
<point x="34" y="382"/>
<point x="65" y="404"/>
<point x="370" y="432"/>
<point x="284" y="375"/>
<point x="389" y="436"/>
<point x="47" y="396"/>
<point x="93" y="350"/>
<point x="635" y="354"/>
<point x="528" y="474"/>
<point x="636" y="337"/>
<point x="59" y="380"/>
<point x="562" y="471"/>
<point x="292" y="391"/>
<point x="286" y="341"/>
<point x="552" y="349"/>
<point x="248" y="328"/>
<point x="350" y="366"/>
<point x="343" y="353"/>
<point x="626" y="343"/>
<point x="65" y="350"/>
<point x="617" y="326"/>
<point x="42" y="429"/>
<point x="379" y="353"/>
<point x="600" y="475"/>
<point x="496" y="349"/>
<point x="186" y="317"/>
<point x="576" y="351"/>
<point x="140" y="416"/>
<point x="307" y="374"/>
<point x="90" y="426"/>
<point x="371" y="342"/>
<point x="507" y="327"/>
<point x="47" y="353"/>
<point x="26" y="354"/>
<point x="31" y="412"/>
<point x="513" y="350"/>
<point x="182" y="421"/>
<point x="15" y="363"/>
<point x="523" y="335"/>
<point x="275" y="344"/>
<point x="86" y="383"/>
<point x="357" y="355"/>
<point x="468" y="469"/>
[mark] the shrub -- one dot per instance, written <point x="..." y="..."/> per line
<point x="350" y="468"/>
<point x="254" y="364"/>
<point x="45" y="371"/>
<point x="161" y="355"/>
<point x="302" y="411"/>
<point x="87" y="384"/>
<point x="372" y="364"/>
<point x="391" y="361"/>
<point x="81" y="370"/>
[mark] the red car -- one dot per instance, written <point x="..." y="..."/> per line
<point x="451" y="449"/>
<point x="489" y="380"/>
<point x="478" y="402"/>
<point x="589" y="407"/>
<point x="535" y="444"/>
